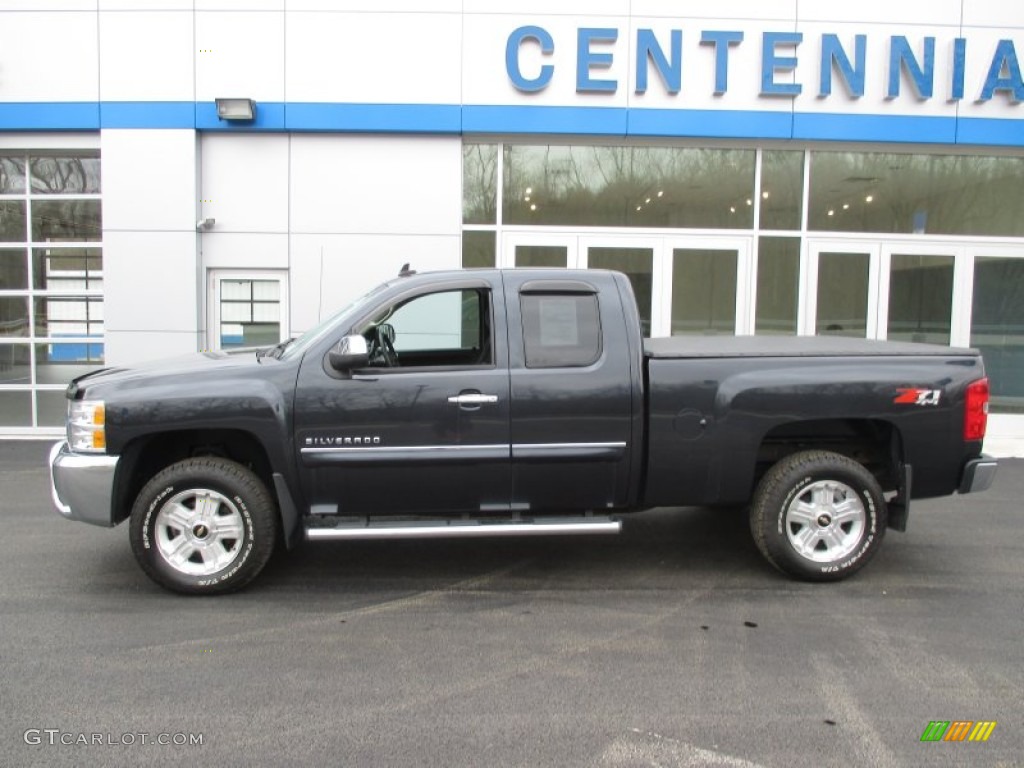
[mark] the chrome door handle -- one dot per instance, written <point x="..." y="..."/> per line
<point x="473" y="399"/>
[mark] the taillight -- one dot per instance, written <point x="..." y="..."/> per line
<point x="976" y="410"/>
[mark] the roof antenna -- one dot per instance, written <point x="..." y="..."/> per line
<point x="405" y="271"/>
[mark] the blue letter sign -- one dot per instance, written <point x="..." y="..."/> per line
<point x="547" y="47"/>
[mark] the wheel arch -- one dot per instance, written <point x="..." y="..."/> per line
<point x="145" y="456"/>
<point x="877" y="444"/>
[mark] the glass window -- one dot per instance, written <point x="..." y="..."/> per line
<point x="920" y="298"/>
<point x="478" y="250"/>
<point x="480" y="183"/>
<point x="14" y="364"/>
<point x="67" y="269"/>
<point x="12" y="175"/>
<point x="628" y="186"/>
<point x="13" y="316"/>
<point x="58" y="220"/>
<point x="12" y="221"/>
<point x="52" y="406"/>
<point x="703" y="291"/>
<point x="542" y="256"/>
<point x="782" y="184"/>
<point x="560" y="330"/>
<point x="73" y="316"/>
<point x="60" y="363"/>
<point x="638" y="265"/>
<point x="16" y="409"/>
<point x="13" y="269"/>
<point x="917" y="194"/>
<point x="250" y="313"/>
<point x="447" y="328"/>
<point x="67" y="175"/>
<point x="843" y="294"/>
<point x="997" y="328"/>
<point x="778" y="285"/>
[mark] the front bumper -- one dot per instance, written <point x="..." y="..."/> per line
<point x="82" y="485"/>
<point x="978" y="474"/>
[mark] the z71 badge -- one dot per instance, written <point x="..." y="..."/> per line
<point x="918" y="396"/>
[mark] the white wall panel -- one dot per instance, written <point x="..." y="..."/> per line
<point x="994" y="13"/>
<point x="150" y="281"/>
<point x="377" y="6"/>
<point x="876" y="80"/>
<point x="130" y="347"/>
<point x="981" y="48"/>
<point x="352" y="265"/>
<point x="698" y="64"/>
<point x="932" y="12"/>
<point x="373" y="58"/>
<point x="240" y="55"/>
<point x="146" y="56"/>
<point x="486" y="80"/>
<point x="49" y="57"/>
<point x="244" y="183"/>
<point x="380" y="184"/>
<point x="774" y="10"/>
<point x="244" y="251"/>
<point x="149" y="180"/>
<point x="145" y="5"/>
<point x="240" y="5"/>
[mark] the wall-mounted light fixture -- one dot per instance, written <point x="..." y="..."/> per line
<point x="236" y="109"/>
<point x="205" y="225"/>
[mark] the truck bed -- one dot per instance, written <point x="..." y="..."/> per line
<point x="693" y="347"/>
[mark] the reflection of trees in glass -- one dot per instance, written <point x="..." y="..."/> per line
<point x="66" y="220"/>
<point x="934" y="194"/>
<point x="479" y="183"/>
<point x="628" y="186"/>
<point x="65" y="175"/>
<point x="12" y="175"/>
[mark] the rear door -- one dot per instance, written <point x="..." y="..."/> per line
<point x="574" y="406"/>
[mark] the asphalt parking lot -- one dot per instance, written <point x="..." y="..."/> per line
<point x="672" y="644"/>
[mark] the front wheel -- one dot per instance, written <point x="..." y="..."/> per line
<point x="203" y="526"/>
<point x="819" y="516"/>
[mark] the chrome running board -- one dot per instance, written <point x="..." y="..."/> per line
<point x="463" y="529"/>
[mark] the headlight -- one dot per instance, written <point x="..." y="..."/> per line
<point x="87" y="426"/>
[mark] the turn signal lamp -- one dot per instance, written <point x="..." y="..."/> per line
<point x="87" y="426"/>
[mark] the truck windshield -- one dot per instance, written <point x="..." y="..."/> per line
<point x="298" y="347"/>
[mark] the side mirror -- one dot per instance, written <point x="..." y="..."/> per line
<point x="351" y="352"/>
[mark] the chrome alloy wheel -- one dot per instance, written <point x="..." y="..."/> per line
<point x="199" y="532"/>
<point x="825" y="521"/>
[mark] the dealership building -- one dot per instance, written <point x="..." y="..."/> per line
<point x="183" y="175"/>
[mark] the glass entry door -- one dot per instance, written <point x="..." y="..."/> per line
<point x="842" y="290"/>
<point x="682" y="285"/>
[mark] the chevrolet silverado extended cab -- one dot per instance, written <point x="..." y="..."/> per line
<point x="489" y="403"/>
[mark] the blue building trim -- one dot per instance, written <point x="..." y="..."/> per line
<point x="875" y="128"/>
<point x="710" y="123"/>
<point x="50" y="116"/>
<point x="373" y="118"/>
<point x="589" y="121"/>
<point x="476" y="119"/>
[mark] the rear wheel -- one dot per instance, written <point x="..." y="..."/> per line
<point x="819" y="516"/>
<point x="203" y="526"/>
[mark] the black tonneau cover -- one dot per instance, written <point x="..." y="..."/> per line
<point x="791" y="346"/>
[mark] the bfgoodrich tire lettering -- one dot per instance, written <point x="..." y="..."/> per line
<point x="819" y="516"/>
<point x="203" y="526"/>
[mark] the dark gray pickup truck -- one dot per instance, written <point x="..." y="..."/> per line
<point x="492" y="403"/>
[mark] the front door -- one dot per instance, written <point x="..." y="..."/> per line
<point x="424" y="429"/>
